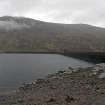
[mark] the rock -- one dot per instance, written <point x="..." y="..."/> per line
<point x="99" y="67"/>
<point x="20" y="100"/>
<point x="70" y="68"/>
<point x="40" y="81"/>
<point x="69" y="99"/>
<point x="102" y="75"/>
<point x="25" y="87"/>
<point x="51" y="100"/>
<point x="61" y="72"/>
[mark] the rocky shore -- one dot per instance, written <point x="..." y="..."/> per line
<point x="76" y="86"/>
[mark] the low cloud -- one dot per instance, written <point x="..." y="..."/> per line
<point x="62" y="11"/>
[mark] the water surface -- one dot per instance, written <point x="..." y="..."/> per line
<point x="18" y="68"/>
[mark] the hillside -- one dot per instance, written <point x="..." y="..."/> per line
<point x="19" y="34"/>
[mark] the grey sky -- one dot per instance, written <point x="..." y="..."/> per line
<point x="63" y="11"/>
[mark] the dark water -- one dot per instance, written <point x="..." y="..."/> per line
<point x="18" y="68"/>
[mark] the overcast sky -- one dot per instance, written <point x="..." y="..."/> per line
<point x="60" y="11"/>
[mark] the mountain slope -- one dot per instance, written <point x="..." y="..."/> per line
<point x="24" y="34"/>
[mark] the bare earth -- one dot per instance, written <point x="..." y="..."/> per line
<point x="80" y="86"/>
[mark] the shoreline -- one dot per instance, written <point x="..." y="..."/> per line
<point x="80" y="86"/>
<point x="94" y="57"/>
